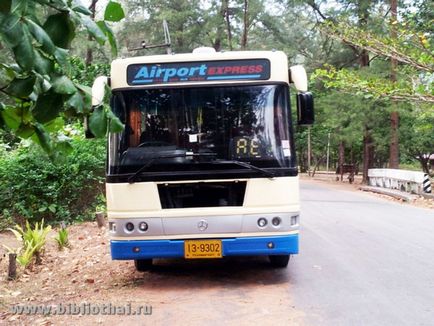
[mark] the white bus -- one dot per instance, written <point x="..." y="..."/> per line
<point x="205" y="167"/>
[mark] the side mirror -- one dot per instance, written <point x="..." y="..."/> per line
<point x="305" y="111"/>
<point x="298" y="77"/>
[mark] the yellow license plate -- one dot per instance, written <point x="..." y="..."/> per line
<point x="202" y="249"/>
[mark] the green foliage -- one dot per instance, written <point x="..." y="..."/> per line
<point x="36" y="78"/>
<point x="6" y="220"/>
<point x="26" y="254"/>
<point x="62" y="238"/>
<point x="32" y="239"/>
<point x="103" y="120"/>
<point x="114" y="12"/>
<point x="64" y="189"/>
<point x="413" y="49"/>
<point x="417" y="124"/>
<point x="185" y="18"/>
<point x="85" y="74"/>
<point x="374" y="86"/>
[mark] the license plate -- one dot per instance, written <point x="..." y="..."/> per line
<point x="202" y="249"/>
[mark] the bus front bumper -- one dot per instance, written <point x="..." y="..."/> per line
<point x="244" y="246"/>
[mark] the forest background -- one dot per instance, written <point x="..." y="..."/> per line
<point x="370" y="64"/>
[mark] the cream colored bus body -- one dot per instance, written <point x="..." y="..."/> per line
<point x="264" y="197"/>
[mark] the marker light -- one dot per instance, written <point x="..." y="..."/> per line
<point x="129" y="227"/>
<point x="262" y="222"/>
<point x="294" y="220"/>
<point x="112" y="226"/>
<point x="143" y="226"/>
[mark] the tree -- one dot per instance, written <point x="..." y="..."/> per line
<point x="185" y="18"/>
<point x="35" y="79"/>
<point x="89" y="51"/>
<point x="418" y="128"/>
<point x="412" y="50"/>
<point x="361" y="10"/>
<point x="394" y="115"/>
<point x="408" y="80"/>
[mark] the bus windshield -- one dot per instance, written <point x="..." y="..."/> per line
<point x="179" y="130"/>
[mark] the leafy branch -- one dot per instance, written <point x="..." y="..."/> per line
<point x="39" y="86"/>
<point x="409" y="47"/>
<point x="351" y="81"/>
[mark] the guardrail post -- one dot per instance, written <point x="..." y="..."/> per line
<point x="426" y="184"/>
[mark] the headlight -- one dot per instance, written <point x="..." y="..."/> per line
<point x="262" y="222"/>
<point x="143" y="226"/>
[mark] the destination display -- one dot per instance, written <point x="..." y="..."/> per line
<point x="247" y="147"/>
<point x="148" y="74"/>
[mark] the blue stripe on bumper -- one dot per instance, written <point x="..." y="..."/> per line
<point x="248" y="246"/>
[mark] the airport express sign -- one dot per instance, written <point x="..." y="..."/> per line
<point x="163" y="73"/>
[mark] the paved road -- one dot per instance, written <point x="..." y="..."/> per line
<point x="364" y="260"/>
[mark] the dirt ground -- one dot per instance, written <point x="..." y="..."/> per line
<point x="230" y="291"/>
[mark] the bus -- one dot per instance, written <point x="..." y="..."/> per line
<point x="205" y="167"/>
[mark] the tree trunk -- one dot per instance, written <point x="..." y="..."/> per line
<point x="364" y="59"/>
<point x="89" y="51"/>
<point x="12" y="270"/>
<point x="368" y="143"/>
<point x="368" y="153"/>
<point x="341" y="159"/>
<point x="228" y="23"/>
<point x="394" y="140"/>
<point x="394" y="115"/>
<point x="318" y="162"/>
<point x="423" y="159"/>
<point x="100" y="219"/>
<point x="217" y="42"/>
<point x="246" y="23"/>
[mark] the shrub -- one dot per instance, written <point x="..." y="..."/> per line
<point x="62" y="238"/>
<point x="33" y="241"/>
<point x="33" y="187"/>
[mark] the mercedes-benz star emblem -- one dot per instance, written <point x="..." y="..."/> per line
<point x="202" y="225"/>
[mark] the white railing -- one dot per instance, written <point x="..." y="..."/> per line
<point x="403" y="180"/>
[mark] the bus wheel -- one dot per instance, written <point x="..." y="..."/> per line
<point x="279" y="261"/>
<point x="143" y="265"/>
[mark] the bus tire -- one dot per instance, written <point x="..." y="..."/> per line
<point x="279" y="261"/>
<point x="143" y="265"/>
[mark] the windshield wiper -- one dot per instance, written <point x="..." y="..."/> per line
<point x="159" y="157"/>
<point x="246" y="165"/>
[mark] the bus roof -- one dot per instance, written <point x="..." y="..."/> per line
<point x="210" y="68"/>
